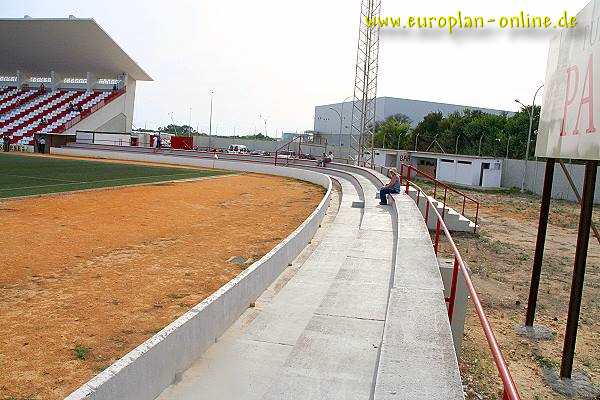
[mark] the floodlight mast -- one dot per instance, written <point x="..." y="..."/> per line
<point x="365" y="85"/>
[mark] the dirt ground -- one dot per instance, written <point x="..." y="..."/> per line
<point x="500" y="257"/>
<point x="87" y="277"/>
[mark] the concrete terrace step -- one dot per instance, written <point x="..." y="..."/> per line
<point x="455" y="221"/>
<point x="418" y="360"/>
<point x="290" y="336"/>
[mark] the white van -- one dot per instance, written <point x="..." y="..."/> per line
<point x="237" y="149"/>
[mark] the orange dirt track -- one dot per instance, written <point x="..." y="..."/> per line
<point x="102" y="271"/>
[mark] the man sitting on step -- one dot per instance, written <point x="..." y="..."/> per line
<point x="392" y="187"/>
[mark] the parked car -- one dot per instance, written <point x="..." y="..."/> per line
<point x="286" y="154"/>
<point x="237" y="149"/>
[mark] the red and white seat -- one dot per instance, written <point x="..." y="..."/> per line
<point x="23" y="113"/>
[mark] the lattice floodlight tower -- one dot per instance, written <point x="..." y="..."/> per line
<point x="365" y="84"/>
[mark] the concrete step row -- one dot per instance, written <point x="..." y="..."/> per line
<point x="417" y="356"/>
<point x="293" y="339"/>
<point x="454" y="220"/>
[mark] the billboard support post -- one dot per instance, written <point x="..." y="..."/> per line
<point x="583" y="238"/>
<point x="541" y="241"/>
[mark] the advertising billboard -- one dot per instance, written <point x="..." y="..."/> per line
<point x="570" y="118"/>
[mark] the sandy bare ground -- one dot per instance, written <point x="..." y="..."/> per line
<point x="86" y="277"/>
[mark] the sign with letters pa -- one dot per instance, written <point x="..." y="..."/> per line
<point x="570" y="119"/>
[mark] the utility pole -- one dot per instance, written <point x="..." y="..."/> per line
<point x="528" y="136"/>
<point x="264" y="118"/>
<point x="211" y="93"/>
<point x="480" y="140"/>
<point x="456" y="147"/>
<point x="341" y="123"/>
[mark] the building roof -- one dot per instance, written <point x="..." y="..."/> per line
<point x="66" y="45"/>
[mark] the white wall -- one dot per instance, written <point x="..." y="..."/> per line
<point x="492" y="178"/>
<point x="513" y="174"/>
<point x="445" y="171"/>
<point x="467" y="170"/>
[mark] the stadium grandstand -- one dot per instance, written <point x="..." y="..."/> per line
<point x="51" y="85"/>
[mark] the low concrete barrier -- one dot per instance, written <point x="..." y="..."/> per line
<point x="145" y="371"/>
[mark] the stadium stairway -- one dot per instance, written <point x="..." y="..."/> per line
<point x="454" y="220"/>
<point x="363" y="317"/>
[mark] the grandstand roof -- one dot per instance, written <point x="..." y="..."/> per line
<point x="65" y="45"/>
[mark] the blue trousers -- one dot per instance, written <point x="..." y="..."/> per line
<point x="383" y="192"/>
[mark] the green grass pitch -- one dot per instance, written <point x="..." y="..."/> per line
<point x="27" y="175"/>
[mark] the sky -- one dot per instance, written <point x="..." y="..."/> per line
<point x="276" y="60"/>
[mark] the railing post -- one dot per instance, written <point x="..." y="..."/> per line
<point x="437" y="236"/>
<point x="444" y="209"/>
<point x="275" y="158"/>
<point x="408" y="178"/>
<point x="401" y="172"/>
<point x="476" y="217"/>
<point x="453" y="289"/>
<point x="427" y="212"/>
<point x="463" y="209"/>
<point x="418" y="196"/>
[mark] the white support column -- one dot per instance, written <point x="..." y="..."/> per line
<point x="123" y="77"/>
<point x="20" y="79"/>
<point x="91" y="81"/>
<point x="55" y="81"/>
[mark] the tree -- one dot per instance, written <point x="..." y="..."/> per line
<point x="463" y="132"/>
<point x="392" y="133"/>
<point x="257" y="136"/>
<point x="426" y="132"/>
<point x="179" y="130"/>
<point x="517" y="128"/>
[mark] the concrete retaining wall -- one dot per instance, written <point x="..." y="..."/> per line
<point x="460" y="304"/>
<point x="145" y="371"/>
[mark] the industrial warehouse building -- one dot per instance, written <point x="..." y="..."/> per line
<point x="327" y="117"/>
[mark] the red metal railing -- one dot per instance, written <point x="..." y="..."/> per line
<point x="510" y="389"/>
<point x="410" y="171"/>
<point x="301" y="141"/>
<point x="86" y="113"/>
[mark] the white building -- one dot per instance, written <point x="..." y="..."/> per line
<point x="472" y="171"/>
